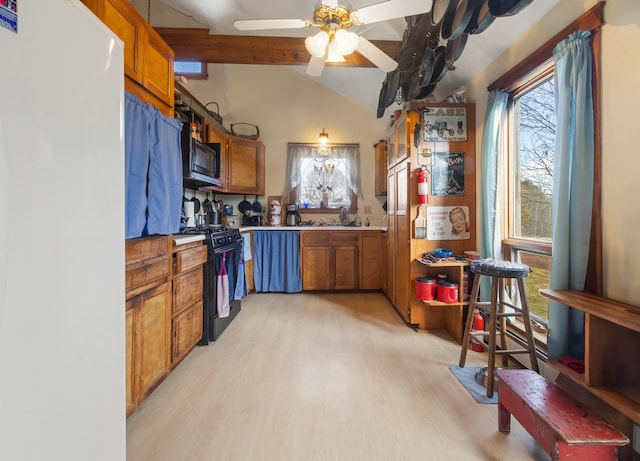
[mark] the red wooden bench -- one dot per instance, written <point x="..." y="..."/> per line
<point x="564" y="428"/>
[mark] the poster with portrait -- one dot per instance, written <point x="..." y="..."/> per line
<point x="448" y="223"/>
<point x="447" y="173"/>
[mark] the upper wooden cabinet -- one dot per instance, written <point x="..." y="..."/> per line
<point x="244" y="166"/>
<point x="381" y="168"/>
<point x="148" y="60"/>
<point x="241" y="159"/>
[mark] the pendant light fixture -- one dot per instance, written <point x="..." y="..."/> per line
<point x="323" y="138"/>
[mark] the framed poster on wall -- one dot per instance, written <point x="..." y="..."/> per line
<point x="444" y="124"/>
<point x="448" y="223"/>
<point x="447" y="173"/>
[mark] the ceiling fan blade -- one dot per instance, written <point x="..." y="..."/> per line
<point x="262" y="24"/>
<point x="330" y="3"/>
<point x="375" y="55"/>
<point x="391" y="9"/>
<point x="315" y="66"/>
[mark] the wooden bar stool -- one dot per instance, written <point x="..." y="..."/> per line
<point x="498" y="271"/>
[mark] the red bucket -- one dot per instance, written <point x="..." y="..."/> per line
<point x="447" y="292"/>
<point x="425" y="288"/>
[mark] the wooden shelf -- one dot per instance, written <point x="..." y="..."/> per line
<point x="611" y="350"/>
<point x="443" y="263"/>
<point x="616" y="312"/>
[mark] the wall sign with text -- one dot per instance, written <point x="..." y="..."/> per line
<point x="444" y="124"/>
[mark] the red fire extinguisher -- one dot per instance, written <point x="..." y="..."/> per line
<point x="477" y="325"/>
<point x="423" y="186"/>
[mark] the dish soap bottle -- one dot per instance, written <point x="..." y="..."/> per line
<point x="420" y="224"/>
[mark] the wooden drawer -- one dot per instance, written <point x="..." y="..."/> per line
<point x="188" y="259"/>
<point x="138" y="250"/>
<point x="345" y="237"/>
<point x="315" y="238"/>
<point x="143" y="275"/>
<point x="187" y="289"/>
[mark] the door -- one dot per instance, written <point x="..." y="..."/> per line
<point x="371" y="268"/>
<point x="345" y="263"/>
<point x="316" y="274"/>
<point x="402" y="242"/>
<point x="154" y="339"/>
<point x="245" y="166"/>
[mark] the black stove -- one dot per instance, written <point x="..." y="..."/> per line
<point x="217" y="237"/>
<point x="225" y="246"/>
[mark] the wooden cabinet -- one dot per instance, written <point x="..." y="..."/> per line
<point x="345" y="253"/>
<point x="330" y="260"/>
<point x="315" y="261"/>
<point x="244" y="166"/>
<point x="404" y="250"/>
<point x="381" y="168"/>
<point x="371" y="260"/>
<point x="148" y="60"/>
<point x="384" y="262"/>
<point x="147" y="317"/>
<point x="186" y="310"/>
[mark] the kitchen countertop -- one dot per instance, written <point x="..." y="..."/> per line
<point x="334" y="228"/>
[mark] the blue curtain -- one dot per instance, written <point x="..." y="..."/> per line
<point x="137" y="119"/>
<point x="490" y="241"/>
<point x="276" y="261"/>
<point x="573" y="182"/>
<point x="165" y="175"/>
<point x="153" y="170"/>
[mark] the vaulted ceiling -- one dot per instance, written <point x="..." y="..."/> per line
<point x="356" y="79"/>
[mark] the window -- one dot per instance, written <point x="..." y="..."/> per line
<point x="195" y="70"/>
<point x="529" y="179"/>
<point x="323" y="178"/>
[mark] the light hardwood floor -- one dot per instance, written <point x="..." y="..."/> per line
<point x="326" y="377"/>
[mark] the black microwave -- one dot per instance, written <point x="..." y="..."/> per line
<point x="200" y="162"/>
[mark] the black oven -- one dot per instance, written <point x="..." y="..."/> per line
<point x="222" y="244"/>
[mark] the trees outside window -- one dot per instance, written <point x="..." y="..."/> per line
<point x="532" y="131"/>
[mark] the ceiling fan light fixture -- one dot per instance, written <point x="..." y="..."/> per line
<point x="346" y="42"/>
<point x="333" y="55"/>
<point x="317" y="44"/>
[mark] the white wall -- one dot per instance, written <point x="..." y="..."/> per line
<point x="620" y="103"/>
<point x="290" y="107"/>
<point x="62" y="304"/>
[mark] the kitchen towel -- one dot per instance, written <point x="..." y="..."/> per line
<point x="222" y="292"/>
<point x="246" y="245"/>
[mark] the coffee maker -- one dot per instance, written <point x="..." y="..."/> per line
<point x="293" y="214"/>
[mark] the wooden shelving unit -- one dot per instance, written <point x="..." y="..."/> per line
<point x="455" y="272"/>
<point x="612" y="350"/>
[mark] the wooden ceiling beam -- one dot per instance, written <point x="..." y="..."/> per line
<point x="198" y="45"/>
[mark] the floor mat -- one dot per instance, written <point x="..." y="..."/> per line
<point x="466" y="376"/>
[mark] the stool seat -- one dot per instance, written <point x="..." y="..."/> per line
<point x="497" y="268"/>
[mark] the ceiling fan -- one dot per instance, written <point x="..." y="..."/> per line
<point x="334" y="41"/>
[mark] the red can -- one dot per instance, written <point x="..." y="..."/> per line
<point x="425" y="288"/>
<point x="447" y="292"/>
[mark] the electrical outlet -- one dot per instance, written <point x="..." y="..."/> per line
<point x="367" y="210"/>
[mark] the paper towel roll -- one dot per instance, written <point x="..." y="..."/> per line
<point x="189" y="213"/>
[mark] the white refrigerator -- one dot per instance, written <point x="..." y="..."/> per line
<point x="62" y="354"/>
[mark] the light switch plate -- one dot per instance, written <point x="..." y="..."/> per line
<point x="367" y="209"/>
